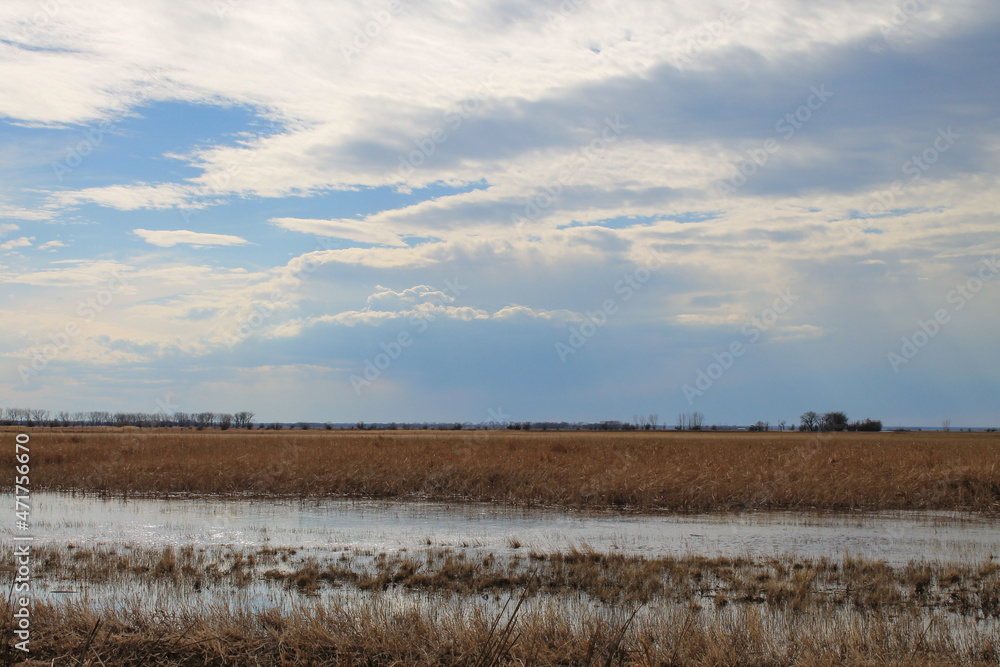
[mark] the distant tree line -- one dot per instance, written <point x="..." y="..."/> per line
<point x="692" y="421"/>
<point x="198" y="420"/>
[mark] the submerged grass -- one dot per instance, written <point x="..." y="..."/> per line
<point x="643" y="471"/>
<point x="785" y="582"/>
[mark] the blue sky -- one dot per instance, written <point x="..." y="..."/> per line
<point x="423" y="211"/>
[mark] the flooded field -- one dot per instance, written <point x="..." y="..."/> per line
<point x="198" y="552"/>
<point x="174" y="575"/>
<point x="552" y="564"/>
<point x="335" y="525"/>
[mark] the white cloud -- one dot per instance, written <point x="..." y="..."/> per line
<point x="22" y="242"/>
<point x="133" y="196"/>
<point x="386" y="298"/>
<point x="349" y="120"/>
<point x="379" y="258"/>
<point x="5" y="228"/>
<point x="168" y="239"/>
<point x="18" y="213"/>
<point x="797" y="332"/>
<point x="81" y="273"/>
<point x="352" y="230"/>
<point x="52" y="245"/>
<point x="515" y="311"/>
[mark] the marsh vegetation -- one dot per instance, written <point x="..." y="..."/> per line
<point x="642" y="471"/>
<point x="448" y="607"/>
<point x="511" y="600"/>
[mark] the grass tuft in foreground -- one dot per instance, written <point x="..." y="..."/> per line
<point x="540" y="635"/>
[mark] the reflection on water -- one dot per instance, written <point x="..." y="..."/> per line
<point x="333" y="525"/>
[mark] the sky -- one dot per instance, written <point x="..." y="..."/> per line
<point x="485" y="210"/>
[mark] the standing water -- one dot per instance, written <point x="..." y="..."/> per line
<point x="336" y="524"/>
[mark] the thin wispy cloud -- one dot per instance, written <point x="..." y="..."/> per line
<point x="170" y="238"/>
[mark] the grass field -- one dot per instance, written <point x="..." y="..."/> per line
<point x="366" y="633"/>
<point x="645" y="471"/>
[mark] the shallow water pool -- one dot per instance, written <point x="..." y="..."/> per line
<point x="335" y="524"/>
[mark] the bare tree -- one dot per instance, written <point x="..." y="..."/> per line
<point x="696" y="420"/>
<point x="809" y="421"/>
<point x="691" y="421"/>
<point x="946" y="425"/>
<point x="243" y="419"/>
<point x="39" y="417"/>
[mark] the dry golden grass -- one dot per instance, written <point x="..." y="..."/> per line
<point x="129" y="633"/>
<point x="642" y="471"/>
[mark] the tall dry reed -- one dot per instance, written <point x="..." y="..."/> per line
<point x="128" y="633"/>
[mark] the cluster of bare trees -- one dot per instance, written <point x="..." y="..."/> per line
<point x="646" y="422"/>
<point x="23" y="416"/>
<point x="691" y="421"/>
<point x="201" y="420"/>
